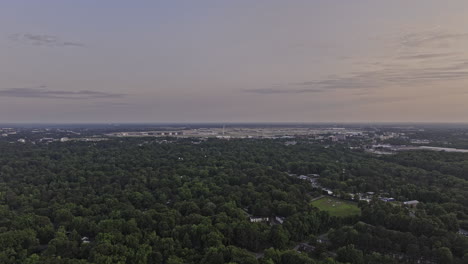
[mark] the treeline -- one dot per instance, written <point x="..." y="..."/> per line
<point x="428" y="234"/>
<point x="144" y="201"/>
<point x="130" y="202"/>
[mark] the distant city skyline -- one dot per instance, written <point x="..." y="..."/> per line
<point x="116" y="61"/>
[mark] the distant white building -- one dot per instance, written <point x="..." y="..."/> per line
<point x="259" y="219"/>
<point x="463" y="232"/>
<point x="341" y="137"/>
<point x="412" y="203"/>
<point x="420" y="141"/>
<point x="290" y="143"/>
<point x="303" y="177"/>
<point x="46" y="140"/>
<point x="279" y="219"/>
<point x="22" y="140"/>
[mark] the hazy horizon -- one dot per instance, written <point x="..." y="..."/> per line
<point x="361" y="61"/>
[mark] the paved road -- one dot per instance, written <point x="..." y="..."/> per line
<point x="317" y="198"/>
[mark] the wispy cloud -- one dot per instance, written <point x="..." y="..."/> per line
<point x="370" y="100"/>
<point x="424" y="56"/>
<point x="43" y="92"/>
<point x="387" y="76"/>
<point x="281" y="91"/>
<point x="420" y="60"/>
<point x="44" y="40"/>
<point x="430" y="37"/>
<point x="354" y="81"/>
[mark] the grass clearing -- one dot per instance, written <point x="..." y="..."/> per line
<point x="337" y="207"/>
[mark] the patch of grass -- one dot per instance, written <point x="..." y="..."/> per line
<point x="337" y="207"/>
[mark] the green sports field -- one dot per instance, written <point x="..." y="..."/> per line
<point x="337" y="207"/>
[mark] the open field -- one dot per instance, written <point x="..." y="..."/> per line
<point x="337" y="207"/>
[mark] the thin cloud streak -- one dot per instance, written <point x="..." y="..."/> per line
<point x="44" y="40"/>
<point x="403" y="76"/>
<point x="42" y="92"/>
<point x="394" y="71"/>
<point x="281" y="91"/>
<point x="427" y="56"/>
<point x="380" y="100"/>
<point x="430" y="38"/>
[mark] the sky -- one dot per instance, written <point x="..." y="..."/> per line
<point x="120" y="61"/>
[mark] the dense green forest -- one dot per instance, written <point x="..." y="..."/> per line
<point x="151" y="201"/>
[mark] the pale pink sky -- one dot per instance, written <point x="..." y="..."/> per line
<point x="233" y="61"/>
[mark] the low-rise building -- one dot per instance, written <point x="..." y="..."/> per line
<point x="303" y="177"/>
<point x="290" y="143"/>
<point x="258" y="219"/>
<point x="280" y="219"/>
<point x="412" y="203"/>
<point x="46" y="140"/>
<point x="327" y="191"/>
<point x="463" y="232"/>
